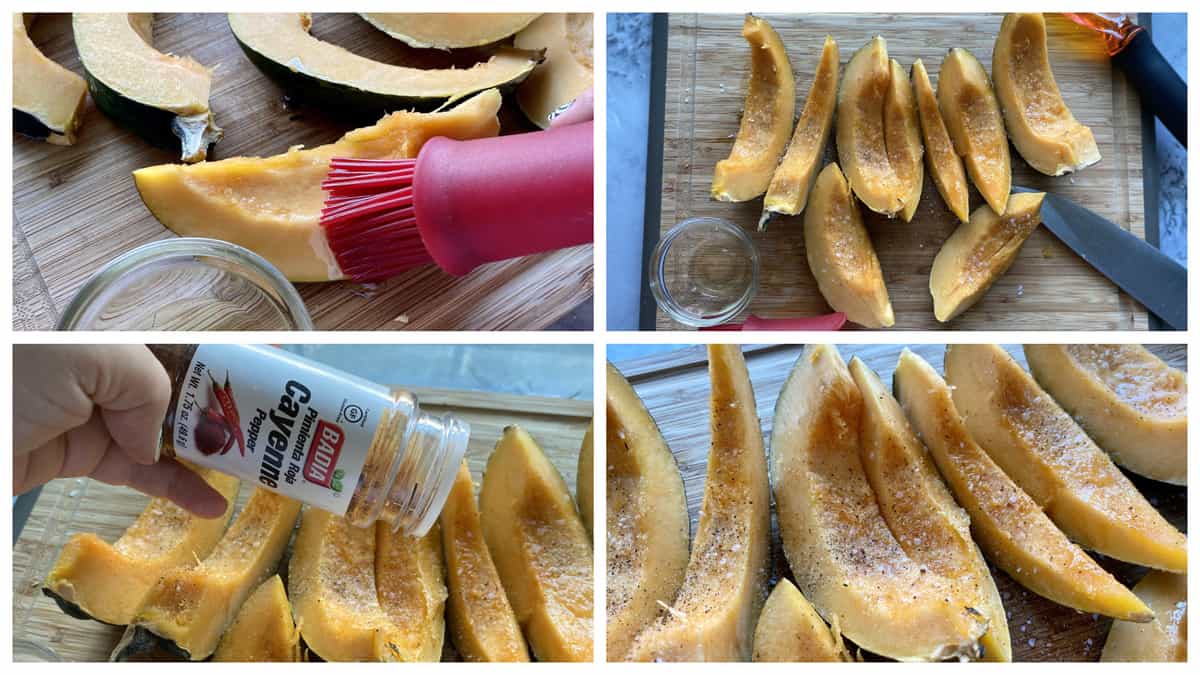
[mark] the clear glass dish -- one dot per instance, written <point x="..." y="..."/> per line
<point x="704" y="271"/>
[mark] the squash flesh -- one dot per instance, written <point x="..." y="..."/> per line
<point x="567" y="70"/>
<point x="979" y="252"/>
<point x="902" y="131"/>
<point x="1009" y="526"/>
<point x="647" y="533"/>
<point x="1131" y="403"/>
<point x="449" y="31"/>
<point x="1053" y="460"/>
<point x="44" y="90"/>
<point x="790" y="630"/>
<point x="272" y="205"/>
<point x="945" y="165"/>
<point x="109" y="581"/>
<point x="410" y="581"/>
<point x="919" y="510"/>
<point x="841" y="255"/>
<point x="976" y="126"/>
<point x="793" y="178"/>
<point x="724" y="585"/>
<point x="862" y="134"/>
<point x="540" y="548"/>
<point x="1164" y="638"/>
<point x="584" y="482"/>
<point x="263" y="630"/>
<point x="483" y="626"/>
<point x="844" y="557"/>
<point x="766" y="119"/>
<point x="1039" y="122"/>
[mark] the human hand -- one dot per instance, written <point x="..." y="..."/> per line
<point x="97" y="410"/>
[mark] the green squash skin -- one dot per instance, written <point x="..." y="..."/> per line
<point x="143" y="645"/>
<point x="71" y="609"/>
<point x="28" y="125"/>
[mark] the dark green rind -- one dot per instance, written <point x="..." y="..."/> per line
<point x="24" y="123"/>
<point x="71" y="609"/>
<point x="140" y="644"/>
<point x="415" y="44"/>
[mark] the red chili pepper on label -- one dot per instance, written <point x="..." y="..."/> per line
<point x="224" y="397"/>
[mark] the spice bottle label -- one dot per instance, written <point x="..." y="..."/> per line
<point x="269" y="418"/>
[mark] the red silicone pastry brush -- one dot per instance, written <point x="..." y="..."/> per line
<point x="461" y="204"/>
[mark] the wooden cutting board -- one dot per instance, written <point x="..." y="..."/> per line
<point x="1047" y="287"/>
<point x="674" y="387"/>
<point x="76" y="208"/>
<point x="80" y="505"/>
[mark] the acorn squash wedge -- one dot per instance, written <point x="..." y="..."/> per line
<point x="976" y="126"/>
<point x="945" y="166"/>
<point x="449" y="31"/>
<point x="583" y="480"/>
<point x="48" y="100"/>
<point x="161" y="97"/>
<point x="1045" y="452"/>
<point x="410" y="579"/>
<point x="712" y="617"/>
<point x="979" y="252"/>
<point x="790" y="630"/>
<point x="862" y="132"/>
<point x="272" y="205"/>
<point x="840" y="253"/>
<point x="1039" y="122"/>
<point x="647" y="532"/>
<point x="540" y="548"/>
<point x="902" y="131"/>
<point x="566" y="72"/>
<point x="844" y="558"/>
<point x="1131" y="403"/>
<point x="1010" y="528"/>
<point x="263" y="630"/>
<point x="793" y="178"/>
<point x="482" y="624"/>
<point x="190" y="608"/>
<point x="1163" y="639"/>
<point x="323" y="73"/>
<point x="766" y="118"/>
<point x="93" y="579"/>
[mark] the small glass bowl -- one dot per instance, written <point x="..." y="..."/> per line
<point x="704" y="271"/>
<point x="187" y="283"/>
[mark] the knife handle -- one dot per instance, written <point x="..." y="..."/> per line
<point x="1160" y="88"/>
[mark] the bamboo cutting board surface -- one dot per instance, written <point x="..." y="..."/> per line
<point x="76" y="208"/>
<point x="67" y="506"/>
<point x="675" y="388"/>
<point x="1048" y="287"/>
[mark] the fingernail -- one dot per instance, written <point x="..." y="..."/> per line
<point x="560" y="110"/>
<point x="158" y="447"/>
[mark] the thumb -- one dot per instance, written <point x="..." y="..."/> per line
<point x="131" y="390"/>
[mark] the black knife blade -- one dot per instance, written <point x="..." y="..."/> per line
<point x="1136" y="267"/>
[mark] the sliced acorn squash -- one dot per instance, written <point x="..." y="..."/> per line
<point x="583" y="480"/>
<point x="95" y="580"/>
<point x="189" y="608"/>
<point x="161" y="97"/>
<point x="482" y="624"/>
<point x="48" y="100"/>
<point x="1039" y="122"/>
<point x="976" y="126"/>
<point x="449" y="31"/>
<point x="324" y="73"/>
<point x="790" y="630"/>
<point x="902" y="131"/>
<point x="263" y="630"/>
<point x="1165" y="638"/>
<point x="862" y="133"/>
<point x="567" y="71"/>
<point x="945" y="165"/>
<point x="410" y="579"/>
<point x="272" y="205"/>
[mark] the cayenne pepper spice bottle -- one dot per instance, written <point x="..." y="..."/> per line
<point x="323" y="437"/>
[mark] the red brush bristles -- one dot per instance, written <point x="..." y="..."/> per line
<point x="369" y="218"/>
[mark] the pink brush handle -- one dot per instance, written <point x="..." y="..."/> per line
<point x="496" y="198"/>
<point x="823" y="322"/>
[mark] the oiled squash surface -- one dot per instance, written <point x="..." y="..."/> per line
<point x="263" y="630"/>
<point x="976" y="127"/>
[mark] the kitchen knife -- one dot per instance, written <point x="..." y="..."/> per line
<point x="1139" y="269"/>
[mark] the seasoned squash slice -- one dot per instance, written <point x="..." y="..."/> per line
<point x="161" y="97"/>
<point x="647" y="518"/>
<point x="449" y="31"/>
<point x="919" y="510"/>
<point x="583" y="480"/>
<point x="272" y="205"/>
<point x="845" y="559"/>
<point x="93" y="579"/>
<point x="481" y="620"/>
<point x="567" y="70"/>
<point x="902" y="131"/>
<point x="540" y="547"/>
<point x="976" y="127"/>
<point x="793" y="178"/>
<point x="1009" y="526"/>
<point x="190" y="607"/>
<point x="410" y="579"/>
<point x="1039" y="123"/>
<point x="861" y="132"/>
<point x="1131" y="403"/>
<point x="979" y="252"/>
<point x="766" y="119"/>
<point x="48" y="100"/>
<point x="841" y="255"/>
<point x="321" y="72"/>
<point x="1164" y="638"/>
<point x="714" y="613"/>
<point x="1046" y="453"/>
<point x="945" y="165"/>
<point x="263" y="629"/>
<point x="790" y="630"/>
